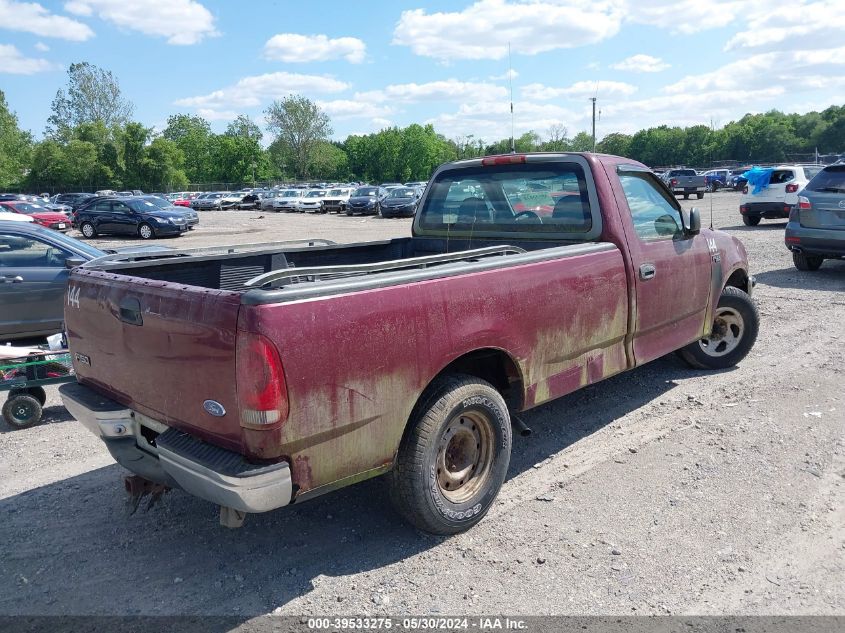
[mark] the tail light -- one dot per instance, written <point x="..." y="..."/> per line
<point x="673" y="182"/>
<point x="743" y="209"/>
<point x="804" y="203"/>
<point x="262" y="391"/>
<point x="792" y="188"/>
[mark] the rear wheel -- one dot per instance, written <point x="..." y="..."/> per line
<point x="735" y="326"/>
<point x="454" y="456"/>
<point x="699" y="195"/>
<point x="22" y="411"/>
<point x="806" y="262"/>
<point x="751" y="220"/>
<point x="145" y="232"/>
<point x="87" y="229"/>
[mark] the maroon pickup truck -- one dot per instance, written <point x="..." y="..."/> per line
<point x="257" y="378"/>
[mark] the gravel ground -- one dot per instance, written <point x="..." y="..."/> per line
<point x="663" y="490"/>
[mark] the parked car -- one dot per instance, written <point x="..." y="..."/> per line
<point x="14" y="217"/>
<point x="416" y="183"/>
<point x="208" y="201"/>
<point x="73" y="200"/>
<point x="400" y="202"/>
<point x="684" y="182"/>
<point x="267" y="200"/>
<point x="312" y="201"/>
<point x="280" y="380"/>
<point x="34" y="273"/>
<point x="776" y="200"/>
<point x="129" y="216"/>
<point x="366" y="201"/>
<point x="181" y="198"/>
<point x="40" y="214"/>
<point x="287" y="200"/>
<point x="192" y="218"/>
<point x="716" y="179"/>
<point x="816" y="228"/>
<point x="337" y="199"/>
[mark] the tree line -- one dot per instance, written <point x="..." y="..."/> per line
<point x="92" y="142"/>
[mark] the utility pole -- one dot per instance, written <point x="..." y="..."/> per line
<point x="593" y="99"/>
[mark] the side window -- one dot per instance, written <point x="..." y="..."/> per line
<point x="101" y="207"/>
<point x="17" y="251"/>
<point x="780" y="176"/>
<point x="119" y="207"/>
<point x="654" y="214"/>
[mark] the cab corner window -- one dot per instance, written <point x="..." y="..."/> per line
<point x="654" y="214"/>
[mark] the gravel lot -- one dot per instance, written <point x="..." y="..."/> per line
<point x="663" y="490"/>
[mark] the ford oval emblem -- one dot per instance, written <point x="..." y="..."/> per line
<point x="214" y="408"/>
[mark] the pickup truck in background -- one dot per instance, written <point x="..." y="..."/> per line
<point x="257" y="378"/>
<point x="685" y="182"/>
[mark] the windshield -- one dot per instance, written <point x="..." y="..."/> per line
<point x="365" y="191"/>
<point x="291" y="193"/>
<point x="336" y="192"/>
<point x="141" y="205"/>
<point x="161" y="203"/>
<point x="550" y="197"/>
<point x="29" y="208"/>
<point x="402" y="193"/>
<point x="315" y="194"/>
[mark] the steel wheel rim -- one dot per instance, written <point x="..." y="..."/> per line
<point x="726" y="335"/>
<point x="22" y="412"/>
<point x="146" y="232"/>
<point x="465" y="456"/>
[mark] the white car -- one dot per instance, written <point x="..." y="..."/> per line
<point x="336" y="199"/>
<point x="776" y="200"/>
<point x="15" y="217"/>
<point x="287" y="200"/>
<point x="312" y="201"/>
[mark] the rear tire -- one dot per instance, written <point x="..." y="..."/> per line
<point x="806" y="262"/>
<point x="454" y="456"/>
<point x="700" y="195"/>
<point x="751" y="220"/>
<point x="736" y="323"/>
<point x="22" y="411"/>
<point x="87" y="229"/>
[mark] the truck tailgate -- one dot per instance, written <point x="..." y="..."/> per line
<point x="160" y="348"/>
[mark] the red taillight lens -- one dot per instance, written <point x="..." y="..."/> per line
<point x="745" y="189"/>
<point x="510" y="159"/>
<point x="791" y="188"/>
<point x="804" y="203"/>
<point x="673" y="182"/>
<point x="262" y="391"/>
<point x="743" y="209"/>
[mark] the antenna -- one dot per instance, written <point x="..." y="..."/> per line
<point x="510" y="81"/>
<point x="593" y="99"/>
<point x="713" y="188"/>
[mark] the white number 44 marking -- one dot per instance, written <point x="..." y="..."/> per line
<point x="73" y="296"/>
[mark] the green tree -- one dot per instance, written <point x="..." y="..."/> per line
<point x="15" y="147"/>
<point x="244" y="127"/>
<point x="615" y="143"/>
<point x="92" y="94"/>
<point x="134" y="140"/>
<point x="301" y="125"/>
<point x="192" y="134"/>
<point x="582" y="142"/>
<point x="162" y="166"/>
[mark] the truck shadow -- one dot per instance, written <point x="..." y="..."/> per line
<point x="763" y="226"/>
<point x="71" y="547"/>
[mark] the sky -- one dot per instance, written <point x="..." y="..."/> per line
<point x="372" y="64"/>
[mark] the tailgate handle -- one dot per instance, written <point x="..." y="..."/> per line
<point x="130" y="311"/>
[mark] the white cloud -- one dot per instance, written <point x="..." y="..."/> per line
<point x="641" y="64"/>
<point x="354" y="109"/>
<point x="447" y="90"/>
<point x="578" y="90"/>
<point x="211" y="114"/>
<point x="690" y="16"/>
<point x="292" y="47"/>
<point x="511" y="74"/>
<point x="13" y="62"/>
<point x="483" y="30"/>
<point x="41" y="46"/>
<point x="181" y="22"/>
<point x="251" y="92"/>
<point x="31" y="17"/>
<point x="798" y="25"/>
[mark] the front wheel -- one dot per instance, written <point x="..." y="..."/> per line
<point x="806" y="262"/>
<point x="454" y="456"/>
<point x="145" y="232"/>
<point x="88" y="231"/>
<point x="736" y="322"/>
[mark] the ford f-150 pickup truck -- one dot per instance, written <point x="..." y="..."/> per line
<point x="685" y="182"/>
<point x="260" y="378"/>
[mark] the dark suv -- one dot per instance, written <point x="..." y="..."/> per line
<point x="128" y="216"/>
<point x="816" y="229"/>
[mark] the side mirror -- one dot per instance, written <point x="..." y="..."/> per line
<point x="692" y="221"/>
<point x="73" y="262"/>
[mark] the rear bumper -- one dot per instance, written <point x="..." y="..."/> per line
<point x="768" y="210"/>
<point x="824" y="242"/>
<point x="176" y="459"/>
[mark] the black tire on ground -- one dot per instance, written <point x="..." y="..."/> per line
<point x="453" y="457"/>
<point x="699" y="195"/>
<point x="145" y="231"/>
<point x="88" y="230"/>
<point x="349" y="212"/>
<point x="36" y="392"/>
<point x="686" y="196"/>
<point x="736" y="323"/>
<point x="806" y="262"/>
<point x="751" y="220"/>
<point x="22" y="411"/>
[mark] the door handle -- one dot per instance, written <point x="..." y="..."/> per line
<point x="647" y="271"/>
<point x="9" y="279"/>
